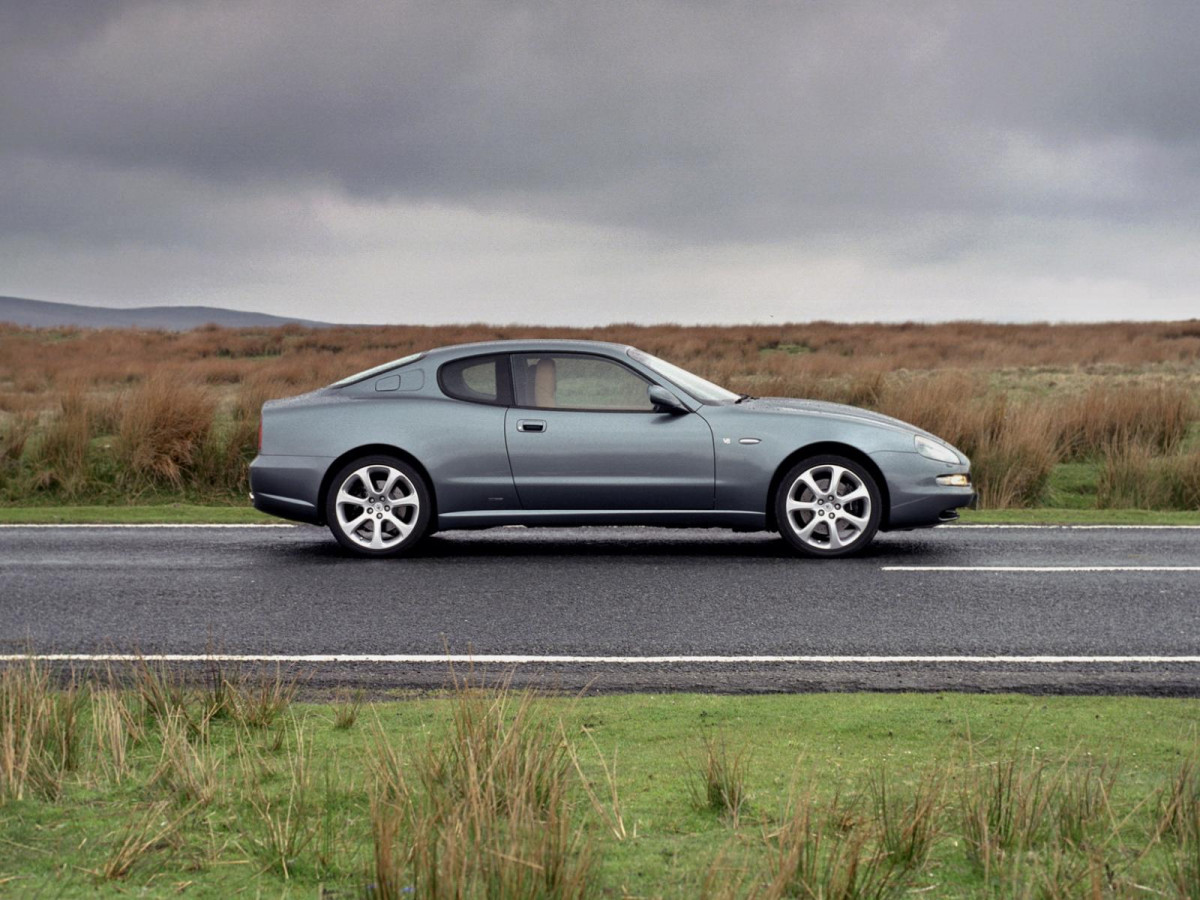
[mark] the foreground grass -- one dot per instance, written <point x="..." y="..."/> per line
<point x="232" y="789"/>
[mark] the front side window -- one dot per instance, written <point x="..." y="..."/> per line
<point x="477" y="379"/>
<point x="575" y="381"/>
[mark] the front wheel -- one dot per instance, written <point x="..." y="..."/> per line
<point x="828" y="506"/>
<point x="378" y="506"/>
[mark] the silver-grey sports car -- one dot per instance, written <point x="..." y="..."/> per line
<point x="589" y="433"/>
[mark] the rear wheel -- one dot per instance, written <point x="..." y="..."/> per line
<point x="828" y="506"/>
<point x="378" y="506"/>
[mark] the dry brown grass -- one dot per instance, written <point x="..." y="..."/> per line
<point x="39" y="732"/>
<point x="115" y="730"/>
<point x="1134" y="477"/>
<point x="164" y="425"/>
<point x="787" y="356"/>
<point x="187" y="769"/>
<point x="16" y="435"/>
<point x="1154" y="415"/>
<point x="184" y="408"/>
<point x="59" y="459"/>
<point x="832" y="851"/>
<point x="153" y="828"/>
<point x="489" y="812"/>
<point x="719" y="780"/>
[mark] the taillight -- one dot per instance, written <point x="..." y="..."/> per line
<point x="260" y="434"/>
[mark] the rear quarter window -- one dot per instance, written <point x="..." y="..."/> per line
<point x="478" y="379"/>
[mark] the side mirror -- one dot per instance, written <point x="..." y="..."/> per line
<point x="664" y="400"/>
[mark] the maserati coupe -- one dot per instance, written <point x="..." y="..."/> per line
<point x="566" y="433"/>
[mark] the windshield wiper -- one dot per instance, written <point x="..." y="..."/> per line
<point x="742" y="397"/>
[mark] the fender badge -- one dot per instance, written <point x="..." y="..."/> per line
<point x="725" y="440"/>
<point x="749" y="441"/>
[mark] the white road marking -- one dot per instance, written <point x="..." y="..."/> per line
<point x="149" y="525"/>
<point x="519" y="659"/>
<point x="1080" y="527"/>
<point x="1039" y="568"/>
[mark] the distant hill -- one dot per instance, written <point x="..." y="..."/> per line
<point x="41" y="314"/>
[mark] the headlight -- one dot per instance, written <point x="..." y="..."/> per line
<point x="933" y="450"/>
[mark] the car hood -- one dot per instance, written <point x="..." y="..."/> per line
<point x="822" y="408"/>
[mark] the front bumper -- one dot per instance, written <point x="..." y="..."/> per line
<point x="917" y="500"/>
<point x="934" y="508"/>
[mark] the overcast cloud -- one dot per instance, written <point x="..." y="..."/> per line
<point x="579" y="163"/>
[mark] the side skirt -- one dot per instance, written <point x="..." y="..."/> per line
<point x="667" y="518"/>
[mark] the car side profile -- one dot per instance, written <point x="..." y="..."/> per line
<point x="569" y="433"/>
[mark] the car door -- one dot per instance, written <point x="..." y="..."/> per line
<point x="584" y="435"/>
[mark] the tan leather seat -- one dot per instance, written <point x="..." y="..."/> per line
<point x="545" y="384"/>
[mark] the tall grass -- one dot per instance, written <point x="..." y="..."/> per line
<point x="39" y="732"/>
<point x="1179" y="824"/>
<point x="115" y="730"/>
<point x="1006" y="809"/>
<point x="259" y="701"/>
<point x="909" y="823"/>
<point x="1134" y="477"/>
<point x="489" y="812"/>
<point x="59" y="459"/>
<point x="828" y="852"/>
<point x="232" y="442"/>
<point x="346" y="708"/>
<point x="719" y="779"/>
<point x="155" y="826"/>
<point x="1013" y="445"/>
<point x="187" y="768"/>
<point x="1020" y="806"/>
<point x="15" y="436"/>
<point x="179" y="412"/>
<point x="287" y="823"/>
<point x="255" y="700"/>
<point x="1155" y="416"/>
<point x="164" y="425"/>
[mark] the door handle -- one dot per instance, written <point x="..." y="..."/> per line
<point x="531" y="425"/>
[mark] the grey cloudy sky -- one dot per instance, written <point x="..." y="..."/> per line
<point x="580" y="163"/>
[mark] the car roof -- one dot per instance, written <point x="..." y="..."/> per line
<point x="535" y="345"/>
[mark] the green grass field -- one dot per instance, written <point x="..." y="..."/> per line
<point x="266" y="799"/>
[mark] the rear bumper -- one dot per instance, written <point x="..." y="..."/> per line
<point x="288" y="486"/>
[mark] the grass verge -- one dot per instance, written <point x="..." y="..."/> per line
<point x="166" y="513"/>
<point x="508" y="794"/>
<point x="1079" y="517"/>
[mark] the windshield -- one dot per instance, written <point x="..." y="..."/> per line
<point x="376" y="370"/>
<point x="702" y="390"/>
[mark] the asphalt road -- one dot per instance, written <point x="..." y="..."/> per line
<point x="615" y="596"/>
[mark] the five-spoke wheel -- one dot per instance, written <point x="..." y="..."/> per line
<point x="828" y="506"/>
<point x="377" y="506"/>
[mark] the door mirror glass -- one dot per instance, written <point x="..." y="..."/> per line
<point x="664" y="400"/>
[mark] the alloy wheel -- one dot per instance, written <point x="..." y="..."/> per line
<point x="377" y="506"/>
<point x="828" y="507"/>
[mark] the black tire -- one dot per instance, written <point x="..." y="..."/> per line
<point x="384" y="524"/>
<point x="817" y="524"/>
